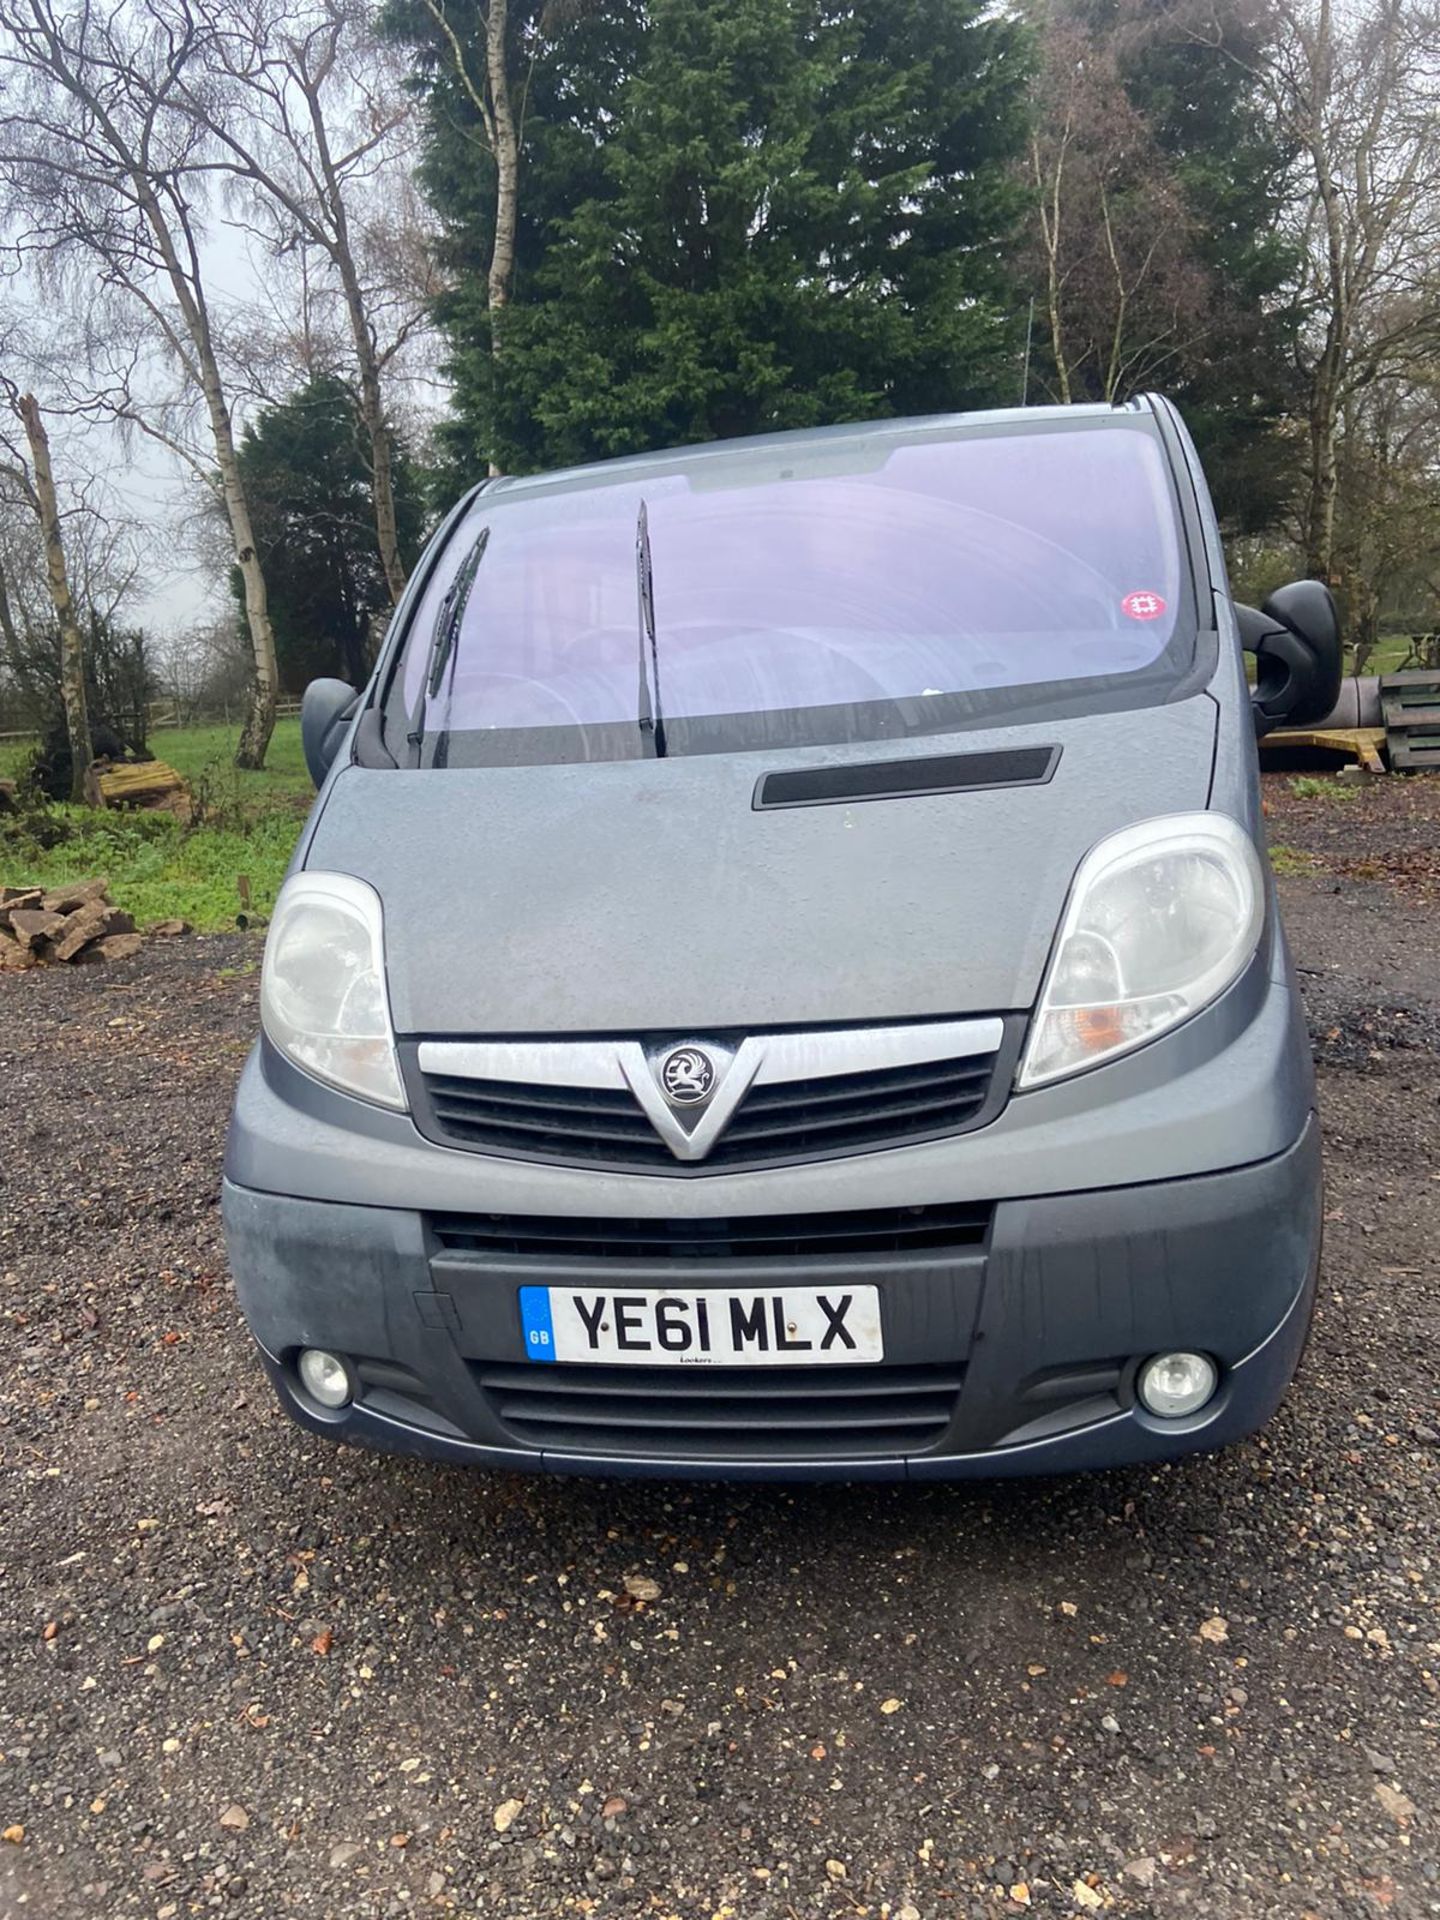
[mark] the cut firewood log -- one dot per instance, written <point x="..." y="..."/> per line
<point x="144" y="784"/>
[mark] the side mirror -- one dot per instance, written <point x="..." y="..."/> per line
<point x="325" y="712"/>
<point x="1299" y="659"/>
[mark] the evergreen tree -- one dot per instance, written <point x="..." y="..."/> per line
<point x="738" y="215"/>
<point x="308" y="480"/>
<point x="570" y="62"/>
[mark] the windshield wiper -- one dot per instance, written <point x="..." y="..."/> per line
<point x="447" y="631"/>
<point x="651" y="716"/>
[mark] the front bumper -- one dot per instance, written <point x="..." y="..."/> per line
<point x="1035" y="1331"/>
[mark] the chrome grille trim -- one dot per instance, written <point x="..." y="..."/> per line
<point x="795" y="1094"/>
<point x="808" y="1055"/>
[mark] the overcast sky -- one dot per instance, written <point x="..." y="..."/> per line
<point x="181" y="580"/>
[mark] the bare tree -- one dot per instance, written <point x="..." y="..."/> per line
<point x="198" y="669"/>
<point x="303" y="106"/>
<point x="1354" y="87"/>
<point x="1115" y="248"/>
<point x="34" y="479"/>
<point x="1124" y="296"/>
<point x="104" y="167"/>
<point x="1387" y="518"/>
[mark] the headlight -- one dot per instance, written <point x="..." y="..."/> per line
<point x="1161" y="918"/>
<point x="322" y="991"/>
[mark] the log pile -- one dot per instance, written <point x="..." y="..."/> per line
<point x="69" y="923"/>
<point x="139" y="783"/>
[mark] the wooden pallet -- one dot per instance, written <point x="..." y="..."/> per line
<point x="1360" y="744"/>
<point x="1410" y="703"/>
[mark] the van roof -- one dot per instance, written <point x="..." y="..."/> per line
<point x="694" y="459"/>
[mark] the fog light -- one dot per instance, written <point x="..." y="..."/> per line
<point x="325" y="1377"/>
<point x="1174" y="1384"/>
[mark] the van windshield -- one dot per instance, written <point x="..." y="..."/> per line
<point x="860" y="587"/>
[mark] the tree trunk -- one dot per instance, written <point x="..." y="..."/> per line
<point x="1366" y="629"/>
<point x="372" y="405"/>
<point x="1323" y="413"/>
<point x="7" y="626"/>
<point x="1320" y="502"/>
<point x="382" y="468"/>
<point x="1050" y="231"/>
<point x="1323" y="478"/>
<point x="507" y="178"/>
<point x="496" y="112"/>
<point x="507" y="160"/>
<point x="83" y="787"/>
<point x="260" y="720"/>
<point x="377" y="429"/>
<point x="190" y="298"/>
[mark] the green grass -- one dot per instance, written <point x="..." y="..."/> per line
<point x="1390" y="650"/>
<point x="1309" y="786"/>
<point x="160" y="868"/>
<point x="194" y="751"/>
<point x="210" y="752"/>
<point x="1291" y="860"/>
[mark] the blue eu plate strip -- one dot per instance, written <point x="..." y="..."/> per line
<point x="535" y="1324"/>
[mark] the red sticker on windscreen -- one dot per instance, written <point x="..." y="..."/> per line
<point x="1143" y="606"/>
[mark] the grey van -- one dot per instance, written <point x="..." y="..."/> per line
<point x="782" y="977"/>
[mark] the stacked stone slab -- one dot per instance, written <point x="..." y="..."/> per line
<point x="67" y="924"/>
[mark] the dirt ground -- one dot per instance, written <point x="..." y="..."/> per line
<point x="241" y="1672"/>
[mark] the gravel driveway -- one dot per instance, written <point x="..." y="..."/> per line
<point x="242" y="1672"/>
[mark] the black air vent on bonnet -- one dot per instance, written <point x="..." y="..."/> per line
<point x="907" y="779"/>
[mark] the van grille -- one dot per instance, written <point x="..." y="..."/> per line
<point x="729" y="1414"/>
<point x="775" y="1122"/>
<point x="879" y="1230"/>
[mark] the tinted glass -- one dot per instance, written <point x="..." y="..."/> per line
<point x="838" y="579"/>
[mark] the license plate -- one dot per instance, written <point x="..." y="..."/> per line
<point x="781" y="1326"/>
